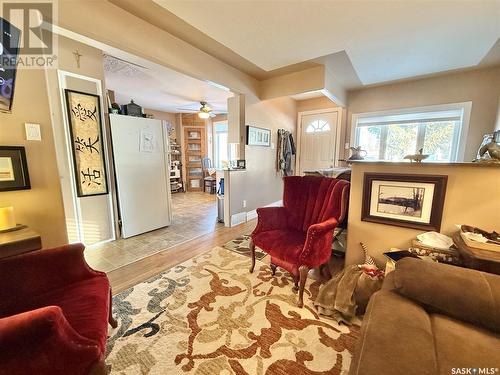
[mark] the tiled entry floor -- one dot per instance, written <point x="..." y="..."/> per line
<point x="194" y="214"/>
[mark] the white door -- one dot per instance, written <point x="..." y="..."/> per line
<point x="317" y="141"/>
<point x="141" y="168"/>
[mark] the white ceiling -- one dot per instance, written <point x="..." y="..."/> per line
<point x="384" y="40"/>
<point x="159" y="88"/>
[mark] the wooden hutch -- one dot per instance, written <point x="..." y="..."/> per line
<point x="194" y="134"/>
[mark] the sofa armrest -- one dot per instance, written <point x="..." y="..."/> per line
<point x="318" y="246"/>
<point x="270" y="218"/>
<point x="42" y="341"/>
<point x="41" y="270"/>
<point x="396" y="338"/>
<point x="468" y="295"/>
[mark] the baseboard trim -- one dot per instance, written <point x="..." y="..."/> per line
<point x="238" y="218"/>
<point x="253" y="214"/>
<point x="243" y="217"/>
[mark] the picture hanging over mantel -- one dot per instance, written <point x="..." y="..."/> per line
<point x="258" y="136"/>
<point x="85" y="129"/>
<point x="406" y="200"/>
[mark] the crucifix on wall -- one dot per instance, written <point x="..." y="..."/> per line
<point x="77" y="58"/>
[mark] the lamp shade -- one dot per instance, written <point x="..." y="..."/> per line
<point x="203" y="115"/>
<point x="7" y="218"/>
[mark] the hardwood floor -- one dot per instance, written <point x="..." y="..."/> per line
<point x="140" y="270"/>
<point x="194" y="214"/>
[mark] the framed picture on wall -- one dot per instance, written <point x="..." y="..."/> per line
<point x="406" y="200"/>
<point x="85" y="129"/>
<point x="258" y="136"/>
<point x="13" y="169"/>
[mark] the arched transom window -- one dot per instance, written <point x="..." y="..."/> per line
<point x="317" y="126"/>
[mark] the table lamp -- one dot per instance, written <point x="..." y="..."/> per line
<point x="7" y="218"/>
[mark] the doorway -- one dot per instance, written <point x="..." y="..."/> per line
<point x="157" y="119"/>
<point x="318" y="140"/>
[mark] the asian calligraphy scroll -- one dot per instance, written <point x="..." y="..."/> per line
<point x="84" y="113"/>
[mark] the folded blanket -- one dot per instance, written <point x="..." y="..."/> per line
<point x="348" y="292"/>
<point x="336" y="297"/>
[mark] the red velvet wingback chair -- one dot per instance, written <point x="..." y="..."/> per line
<point x="298" y="236"/>
<point x="54" y="314"/>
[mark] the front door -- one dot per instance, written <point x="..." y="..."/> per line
<point x="317" y="141"/>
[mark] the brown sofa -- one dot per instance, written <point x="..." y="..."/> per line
<point x="431" y="318"/>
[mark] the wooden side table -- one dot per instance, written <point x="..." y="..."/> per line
<point x="19" y="241"/>
<point x="478" y="259"/>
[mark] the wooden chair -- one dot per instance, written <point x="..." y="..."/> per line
<point x="209" y="180"/>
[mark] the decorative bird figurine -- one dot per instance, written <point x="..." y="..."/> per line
<point x="417" y="157"/>
<point x="493" y="150"/>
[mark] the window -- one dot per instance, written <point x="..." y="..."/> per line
<point x="438" y="130"/>
<point x="317" y="126"/>
<point x="220" y="145"/>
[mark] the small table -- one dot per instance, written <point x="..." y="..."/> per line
<point x="19" y="241"/>
<point x="478" y="259"/>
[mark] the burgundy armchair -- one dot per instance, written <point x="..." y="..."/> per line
<point x="298" y="236"/>
<point x="54" y="314"/>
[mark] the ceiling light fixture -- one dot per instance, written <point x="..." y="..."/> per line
<point x="205" y="110"/>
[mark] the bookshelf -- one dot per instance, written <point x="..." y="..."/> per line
<point x="195" y="150"/>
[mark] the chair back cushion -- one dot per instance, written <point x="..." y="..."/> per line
<point x="310" y="200"/>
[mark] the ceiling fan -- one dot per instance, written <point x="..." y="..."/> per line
<point x="205" y="111"/>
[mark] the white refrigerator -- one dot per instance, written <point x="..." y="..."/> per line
<point x="141" y="160"/>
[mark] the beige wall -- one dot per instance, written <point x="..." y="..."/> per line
<point x="472" y="197"/>
<point x="311" y="79"/>
<point x="41" y="207"/>
<point x="261" y="184"/>
<point x="479" y="86"/>
<point x="313" y="104"/>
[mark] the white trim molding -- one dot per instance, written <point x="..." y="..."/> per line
<point x="64" y="156"/>
<point x="238" y="218"/>
<point x="253" y="214"/>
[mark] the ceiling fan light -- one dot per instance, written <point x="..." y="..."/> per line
<point x="203" y="115"/>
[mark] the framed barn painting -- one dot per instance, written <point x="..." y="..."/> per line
<point x="412" y="201"/>
<point x="85" y="129"/>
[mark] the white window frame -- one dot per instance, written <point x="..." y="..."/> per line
<point x="459" y="137"/>
<point x="216" y="141"/>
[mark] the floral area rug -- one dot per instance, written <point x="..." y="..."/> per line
<point x="241" y="245"/>
<point x="210" y="316"/>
